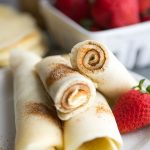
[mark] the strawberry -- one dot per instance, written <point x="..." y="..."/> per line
<point x="132" y="110"/>
<point x="144" y="6"/>
<point x="116" y="13"/>
<point x="75" y="9"/>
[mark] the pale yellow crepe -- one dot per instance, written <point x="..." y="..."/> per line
<point x="37" y="127"/>
<point x="96" y="61"/>
<point x="94" y="129"/>
<point x="71" y="92"/>
<point x="33" y="42"/>
<point x="18" y="31"/>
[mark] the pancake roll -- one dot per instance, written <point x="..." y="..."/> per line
<point x="37" y="127"/>
<point x="97" y="62"/>
<point x="71" y="92"/>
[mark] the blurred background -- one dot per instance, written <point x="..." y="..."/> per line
<point x="64" y="23"/>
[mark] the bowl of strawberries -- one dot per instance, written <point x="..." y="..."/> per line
<point x="122" y="25"/>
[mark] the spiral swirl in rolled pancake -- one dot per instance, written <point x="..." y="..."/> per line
<point x="90" y="56"/>
<point x="97" y="62"/>
<point x="75" y="96"/>
<point x="71" y="92"/>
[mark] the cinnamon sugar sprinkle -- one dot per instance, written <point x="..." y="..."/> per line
<point x="84" y="51"/>
<point x="102" y="108"/>
<point x="60" y="71"/>
<point x="40" y="110"/>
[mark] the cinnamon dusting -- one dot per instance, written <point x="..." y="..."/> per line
<point x="102" y="108"/>
<point x="59" y="71"/>
<point x="96" y="62"/>
<point x="40" y="110"/>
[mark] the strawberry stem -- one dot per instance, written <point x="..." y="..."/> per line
<point x="141" y="88"/>
<point x="140" y="85"/>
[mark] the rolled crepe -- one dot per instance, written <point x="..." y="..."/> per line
<point x="67" y="58"/>
<point x="71" y="92"/>
<point x="95" y="129"/>
<point x="98" y="63"/>
<point x="37" y="127"/>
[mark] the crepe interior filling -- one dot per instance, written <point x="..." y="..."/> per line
<point x="75" y="96"/>
<point x="92" y="57"/>
<point x="100" y="144"/>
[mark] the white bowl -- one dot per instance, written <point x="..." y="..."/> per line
<point x="131" y="44"/>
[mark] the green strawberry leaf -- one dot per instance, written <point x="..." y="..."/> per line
<point x="141" y="88"/>
<point x="86" y="23"/>
<point x="148" y="89"/>
<point x="141" y="84"/>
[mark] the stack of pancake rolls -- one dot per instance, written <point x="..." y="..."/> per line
<point x="61" y="101"/>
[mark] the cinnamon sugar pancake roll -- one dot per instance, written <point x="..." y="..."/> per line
<point x="71" y="92"/>
<point x="37" y="127"/>
<point x="97" y="62"/>
<point x="94" y="129"/>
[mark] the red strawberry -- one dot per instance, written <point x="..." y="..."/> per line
<point x="115" y="13"/>
<point x="144" y="9"/>
<point x="75" y="9"/>
<point x="132" y="110"/>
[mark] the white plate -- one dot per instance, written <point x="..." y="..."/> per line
<point x="139" y="140"/>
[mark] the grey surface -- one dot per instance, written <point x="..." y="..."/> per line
<point x="143" y="71"/>
<point x="11" y="2"/>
